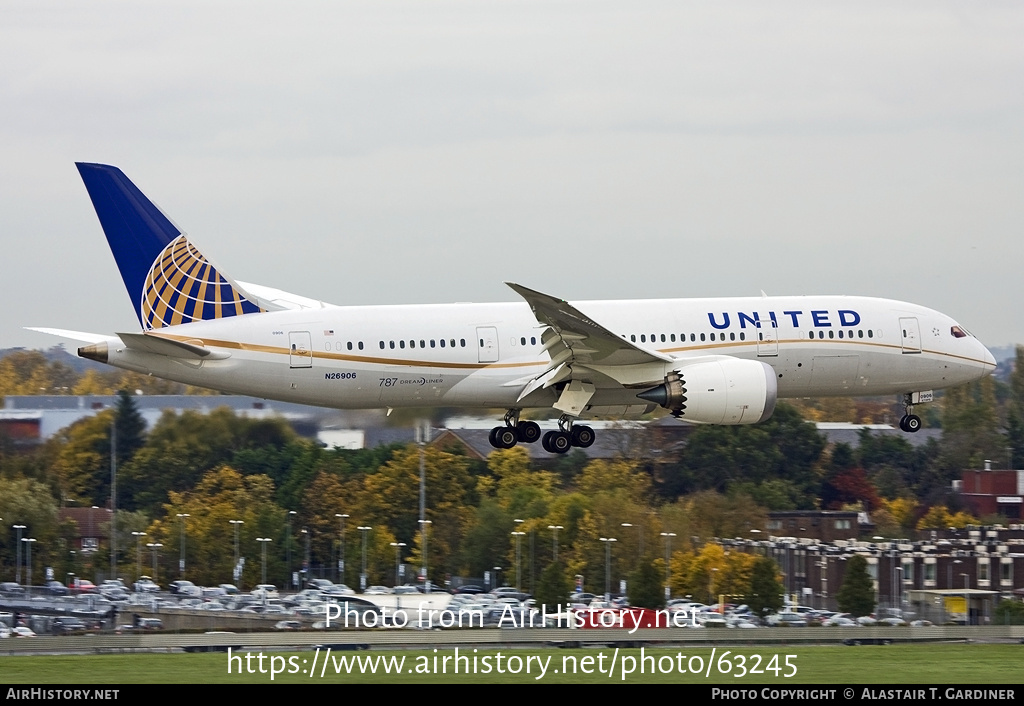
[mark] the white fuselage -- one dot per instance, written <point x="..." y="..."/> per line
<point x="483" y="355"/>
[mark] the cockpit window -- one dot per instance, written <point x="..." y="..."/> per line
<point x="958" y="332"/>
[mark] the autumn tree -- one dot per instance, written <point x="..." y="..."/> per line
<point x="82" y="459"/>
<point x="766" y="589"/>
<point x="554" y="587"/>
<point x="390" y="498"/>
<point x="27" y="502"/>
<point x="784" y="450"/>
<point x="857" y="594"/>
<point x="711" y="572"/>
<point x="645" y="587"/>
<point x="222" y="495"/>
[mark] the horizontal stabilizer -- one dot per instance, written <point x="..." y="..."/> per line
<point x="151" y="343"/>
<point x="73" y="335"/>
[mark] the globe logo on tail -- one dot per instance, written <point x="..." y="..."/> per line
<point x="183" y="286"/>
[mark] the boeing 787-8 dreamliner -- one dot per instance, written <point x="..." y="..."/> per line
<point x="712" y="361"/>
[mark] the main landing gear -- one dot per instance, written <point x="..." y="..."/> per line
<point x="909" y="422"/>
<point x="556" y="442"/>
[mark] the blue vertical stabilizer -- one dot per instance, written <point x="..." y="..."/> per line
<point x="169" y="281"/>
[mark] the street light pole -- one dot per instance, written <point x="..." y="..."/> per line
<point x="967" y="603"/>
<point x="668" y="557"/>
<point x="181" y="558"/>
<point x="154" y="546"/>
<point x="340" y="569"/>
<point x="608" y="567"/>
<point x="28" y="548"/>
<point x="234" y="566"/>
<point x="138" y="553"/>
<point x="288" y="551"/>
<point x="263" y="547"/>
<point x="426" y="556"/>
<point x="362" y="576"/>
<point x="398" y="554"/>
<point x="554" y="541"/>
<point x="17" y="577"/>
<point x="519" y="557"/>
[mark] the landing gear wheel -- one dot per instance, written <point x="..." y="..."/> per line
<point x="556" y="442"/>
<point x="911" y="423"/>
<point x="582" y="436"/>
<point x="528" y="432"/>
<point x="502" y="437"/>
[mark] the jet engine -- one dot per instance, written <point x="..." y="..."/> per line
<point x="718" y="390"/>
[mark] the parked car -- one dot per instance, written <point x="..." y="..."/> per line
<point x="264" y="590"/>
<point x="83" y="586"/>
<point x="469" y="588"/>
<point x="146" y="585"/>
<point x="510" y="592"/>
<point x="67" y="626"/>
<point x="788" y="620"/>
<point x="12" y="589"/>
<point x="56" y="588"/>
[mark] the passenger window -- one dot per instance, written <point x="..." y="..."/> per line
<point x="462" y="342"/>
<point x="522" y="341"/>
<point x="350" y="345"/>
<point x="412" y="344"/>
<point x="702" y="337"/>
<point x="840" y="333"/>
<point x="533" y="340"/>
<point x="831" y="333"/>
<point x="392" y="345"/>
<point x="632" y="337"/>
<point x="673" y="338"/>
<point x="360" y="345"/>
<point x="871" y="333"/>
<point x="442" y="343"/>
<point x="732" y="336"/>
<point x="693" y="337"/>
<point x="432" y="343"/>
<point x="423" y="344"/>
<point x="743" y="336"/>
<point x="382" y="345"/>
<point x="401" y="344"/>
<point x="643" y="338"/>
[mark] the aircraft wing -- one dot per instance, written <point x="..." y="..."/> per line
<point x="587" y="341"/>
<point x="585" y="353"/>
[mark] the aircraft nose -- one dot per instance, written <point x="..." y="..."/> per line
<point x="989" y="360"/>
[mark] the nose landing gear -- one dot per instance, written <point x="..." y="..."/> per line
<point x="910" y="422"/>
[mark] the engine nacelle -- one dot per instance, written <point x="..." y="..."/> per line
<point x="718" y="390"/>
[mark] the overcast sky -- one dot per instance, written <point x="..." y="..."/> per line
<point x="399" y="152"/>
